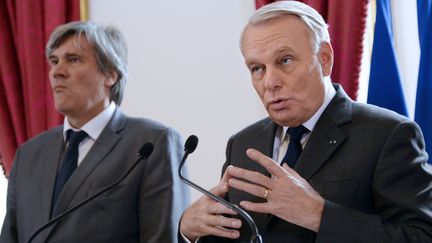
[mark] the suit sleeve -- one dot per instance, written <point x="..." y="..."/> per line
<point x="162" y="192"/>
<point x="402" y="187"/>
<point x="9" y="233"/>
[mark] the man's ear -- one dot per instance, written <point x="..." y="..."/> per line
<point x="325" y="55"/>
<point x="112" y="77"/>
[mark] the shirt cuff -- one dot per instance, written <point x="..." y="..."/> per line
<point x="186" y="239"/>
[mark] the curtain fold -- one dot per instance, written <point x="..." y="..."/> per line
<point x="347" y="23"/>
<point x="385" y="75"/>
<point x="27" y="107"/>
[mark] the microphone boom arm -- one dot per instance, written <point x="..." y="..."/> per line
<point x="143" y="153"/>
<point x="255" y="238"/>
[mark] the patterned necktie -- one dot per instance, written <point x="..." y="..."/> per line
<point x="69" y="162"/>
<point x="294" y="146"/>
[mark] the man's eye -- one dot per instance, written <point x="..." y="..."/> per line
<point x="53" y="61"/>
<point x="286" y="60"/>
<point x="255" y="69"/>
<point x="74" y="59"/>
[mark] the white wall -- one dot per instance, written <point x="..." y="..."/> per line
<point x="186" y="70"/>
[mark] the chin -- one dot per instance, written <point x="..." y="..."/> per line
<point x="280" y="122"/>
<point x="284" y="121"/>
<point x="61" y="109"/>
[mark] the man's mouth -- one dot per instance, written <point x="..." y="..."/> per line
<point x="59" y="88"/>
<point x="278" y="103"/>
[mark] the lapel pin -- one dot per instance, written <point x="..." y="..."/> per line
<point x="332" y="142"/>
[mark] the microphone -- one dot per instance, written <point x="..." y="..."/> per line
<point x="189" y="147"/>
<point x="143" y="153"/>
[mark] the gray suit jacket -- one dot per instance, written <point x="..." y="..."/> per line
<point x="367" y="162"/>
<point x="145" y="207"/>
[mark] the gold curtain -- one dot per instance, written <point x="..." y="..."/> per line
<point x="84" y="10"/>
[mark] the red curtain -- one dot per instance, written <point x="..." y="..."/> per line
<point x="347" y="23"/>
<point x="260" y="3"/>
<point x="26" y="102"/>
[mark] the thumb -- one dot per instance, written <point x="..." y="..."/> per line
<point x="223" y="187"/>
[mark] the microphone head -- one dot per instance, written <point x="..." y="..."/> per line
<point x="145" y="151"/>
<point x="191" y="144"/>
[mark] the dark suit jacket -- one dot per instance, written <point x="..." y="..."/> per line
<point x="145" y="207"/>
<point x="368" y="163"/>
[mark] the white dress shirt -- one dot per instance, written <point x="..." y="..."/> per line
<point x="281" y="141"/>
<point x="93" y="128"/>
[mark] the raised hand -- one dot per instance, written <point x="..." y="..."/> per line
<point x="289" y="196"/>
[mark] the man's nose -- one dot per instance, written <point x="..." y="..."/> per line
<point x="273" y="78"/>
<point x="58" y="70"/>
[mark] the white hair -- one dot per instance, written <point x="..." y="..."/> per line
<point x="313" y="20"/>
<point x="109" y="48"/>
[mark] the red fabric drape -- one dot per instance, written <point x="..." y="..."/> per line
<point x="346" y="20"/>
<point x="260" y="3"/>
<point x="26" y="102"/>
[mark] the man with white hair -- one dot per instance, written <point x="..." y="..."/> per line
<point x="321" y="168"/>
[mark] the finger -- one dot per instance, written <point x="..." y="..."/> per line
<point x="208" y="226"/>
<point x="252" y="176"/>
<point x="222" y="221"/>
<point x="286" y="167"/>
<point x="219" y="231"/>
<point x="256" y="207"/>
<point x="218" y="208"/>
<point x="290" y="170"/>
<point x="222" y="188"/>
<point x="253" y="189"/>
<point x="270" y="165"/>
<point x="226" y="175"/>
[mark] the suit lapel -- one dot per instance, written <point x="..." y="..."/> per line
<point x="327" y="135"/>
<point x="100" y="149"/>
<point x="322" y="143"/>
<point x="324" y="140"/>
<point x="264" y="144"/>
<point x="54" y="149"/>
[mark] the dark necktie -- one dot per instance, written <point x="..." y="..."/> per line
<point x="69" y="162"/>
<point x="294" y="146"/>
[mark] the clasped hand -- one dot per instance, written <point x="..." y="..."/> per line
<point x="289" y="197"/>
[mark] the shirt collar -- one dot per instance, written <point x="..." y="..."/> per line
<point x="329" y="93"/>
<point x="94" y="127"/>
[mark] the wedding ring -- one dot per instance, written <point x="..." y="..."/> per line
<point x="266" y="193"/>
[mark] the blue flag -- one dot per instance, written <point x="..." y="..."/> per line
<point x="385" y="88"/>
<point x="423" y="108"/>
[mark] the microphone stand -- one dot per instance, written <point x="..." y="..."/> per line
<point x="144" y="152"/>
<point x="190" y="146"/>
